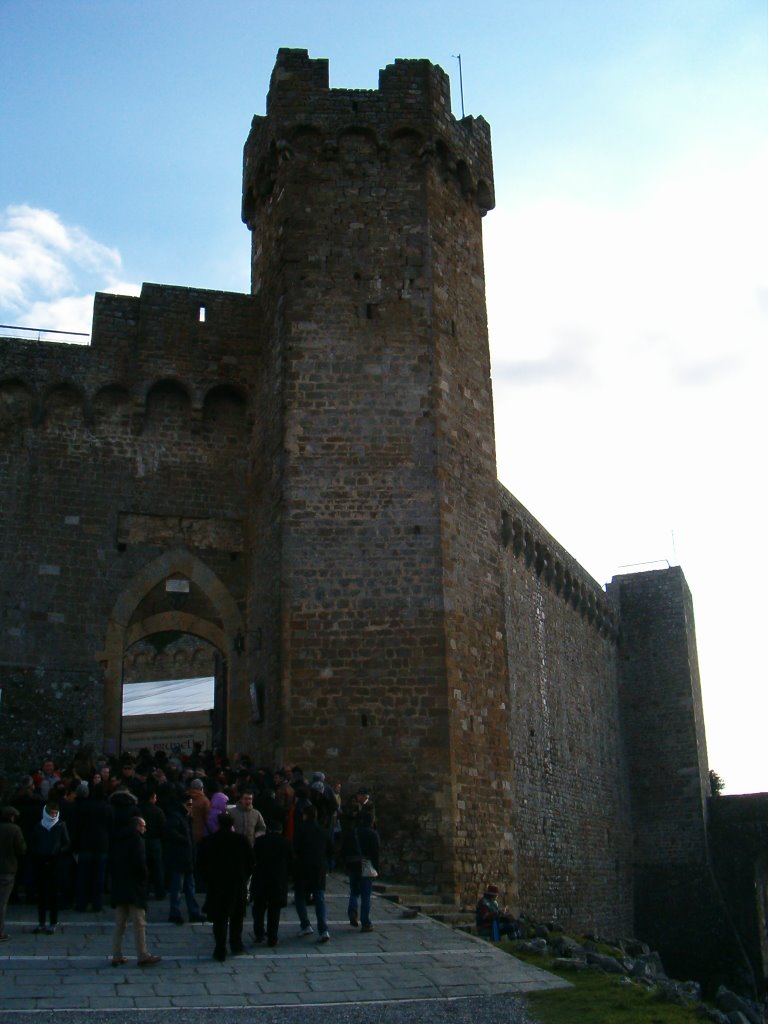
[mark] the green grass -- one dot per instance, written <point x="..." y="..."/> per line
<point x="597" y="998"/>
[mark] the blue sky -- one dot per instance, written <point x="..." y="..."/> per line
<point x="626" y="259"/>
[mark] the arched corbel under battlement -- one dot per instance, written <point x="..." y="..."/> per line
<point x="121" y="633"/>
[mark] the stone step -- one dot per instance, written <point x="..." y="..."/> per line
<point x="456" y="918"/>
<point x="440" y="908"/>
<point x="418" y="901"/>
<point x="427" y="905"/>
<point x="397" y="888"/>
<point x="414" y="898"/>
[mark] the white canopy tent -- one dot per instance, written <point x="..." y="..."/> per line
<point x="168" y="696"/>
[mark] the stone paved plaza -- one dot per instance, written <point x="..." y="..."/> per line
<point x="404" y="958"/>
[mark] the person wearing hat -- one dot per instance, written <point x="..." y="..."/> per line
<point x="492" y="922"/>
<point x="12" y="849"/>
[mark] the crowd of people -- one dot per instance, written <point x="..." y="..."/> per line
<point x="206" y="834"/>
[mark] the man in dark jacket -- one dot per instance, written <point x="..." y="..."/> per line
<point x="225" y="863"/>
<point x="12" y="849"/>
<point x="30" y="807"/>
<point x="129" y="891"/>
<point x="272" y="856"/>
<point x="179" y="851"/>
<point x="153" y="840"/>
<point x="96" y="826"/>
<point x="312" y="850"/>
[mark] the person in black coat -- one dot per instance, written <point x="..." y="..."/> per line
<point x="96" y="825"/>
<point x="225" y="864"/>
<point x="266" y="804"/>
<point x="30" y="807"/>
<point x="130" y="884"/>
<point x="49" y="843"/>
<point x="124" y="806"/>
<point x="272" y="856"/>
<point x="154" y="816"/>
<point x="312" y="849"/>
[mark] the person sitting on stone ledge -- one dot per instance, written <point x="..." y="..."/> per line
<point x="491" y="920"/>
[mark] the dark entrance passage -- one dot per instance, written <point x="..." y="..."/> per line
<point x="174" y="694"/>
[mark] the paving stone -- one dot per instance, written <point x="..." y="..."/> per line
<point x="115" y="1003"/>
<point x="338" y="983"/>
<point x="283" y="986"/>
<point x="273" y="999"/>
<point x="411" y="960"/>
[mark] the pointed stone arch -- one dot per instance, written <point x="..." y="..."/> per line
<point x="223" y="634"/>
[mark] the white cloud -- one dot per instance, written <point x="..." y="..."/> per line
<point x="76" y="311"/>
<point x="670" y="285"/>
<point x="49" y="271"/>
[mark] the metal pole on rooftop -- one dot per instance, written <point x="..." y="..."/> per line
<point x="461" y="82"/>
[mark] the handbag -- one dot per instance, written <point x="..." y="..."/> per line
<point x="368" y="870"/>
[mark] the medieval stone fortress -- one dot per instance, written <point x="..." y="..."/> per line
<point x="303" y="479"/>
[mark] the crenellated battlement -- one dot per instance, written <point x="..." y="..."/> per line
<point x="408" y="118"/>
<point x="189" y="349"/>
<point x="543" y="556"/>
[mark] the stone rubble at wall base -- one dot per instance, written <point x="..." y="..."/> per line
<point x="634" y="963"/>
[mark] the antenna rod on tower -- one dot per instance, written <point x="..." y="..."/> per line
<point x="461" y="82"/>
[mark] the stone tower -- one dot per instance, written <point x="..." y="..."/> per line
<point x="376" y="594"/>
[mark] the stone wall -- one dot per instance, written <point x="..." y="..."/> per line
<point x="738" y="840"/>
<point x="168" y="656"/>
<point x="572" y="823"/>
<point x="110" y="455"/>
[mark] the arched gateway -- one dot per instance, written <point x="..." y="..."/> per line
<point x="178" y="576"/>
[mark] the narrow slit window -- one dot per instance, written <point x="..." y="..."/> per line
<point x="201" y="315"/>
